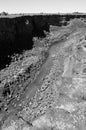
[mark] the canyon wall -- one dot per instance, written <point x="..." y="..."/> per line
<point x="16" y="33"/>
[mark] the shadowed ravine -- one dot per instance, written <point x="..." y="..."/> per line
<point x="16" y="33"/>
<point x="44" y="86"/>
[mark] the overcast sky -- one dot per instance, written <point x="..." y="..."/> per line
<point x="45" y="6"/>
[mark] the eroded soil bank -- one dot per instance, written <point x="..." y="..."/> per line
<point x="44" y="87"/>
<point x="16" y="33"/>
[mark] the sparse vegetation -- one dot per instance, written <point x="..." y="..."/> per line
<point x="3" y="13"/>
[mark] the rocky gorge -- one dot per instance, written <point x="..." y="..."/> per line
<point x="42" y="72"/>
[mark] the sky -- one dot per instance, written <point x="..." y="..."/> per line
<point x="45" y="6"/>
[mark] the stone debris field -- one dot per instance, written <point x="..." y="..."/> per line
<point x="45" y="88"/>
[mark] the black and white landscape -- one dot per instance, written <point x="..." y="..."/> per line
<point x="43" y="71"/>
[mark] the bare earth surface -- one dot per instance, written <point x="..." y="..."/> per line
<point x="53" y="96"/>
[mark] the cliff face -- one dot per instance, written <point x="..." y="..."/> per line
<point x="41" y="78"/>
<point x="16" y="33"/>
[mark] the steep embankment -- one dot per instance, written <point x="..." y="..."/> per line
<point x="16" y="33"/>
<point x="50" y="94"/>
